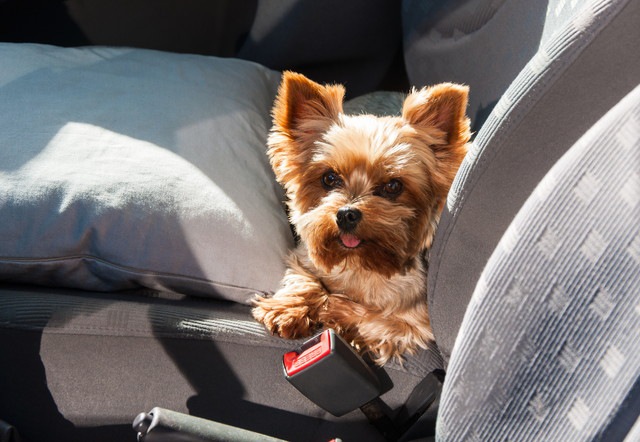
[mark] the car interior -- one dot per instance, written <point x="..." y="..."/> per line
<point x="139" y="217"/>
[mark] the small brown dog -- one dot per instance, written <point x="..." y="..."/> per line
<point x="365" y="194"/>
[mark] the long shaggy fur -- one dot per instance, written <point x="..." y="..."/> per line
<point x="371" y="288"/>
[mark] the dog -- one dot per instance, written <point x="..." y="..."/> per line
<point x="365" y="194"/>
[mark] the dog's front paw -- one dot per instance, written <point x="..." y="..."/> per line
<point x="287" y="321"/>
<point x="395" y="343"/>
<point x="381" y="352"/>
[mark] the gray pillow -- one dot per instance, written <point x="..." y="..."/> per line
<point x="124" y="168"/>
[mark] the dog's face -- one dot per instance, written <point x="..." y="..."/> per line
<point x="366" y="192"/>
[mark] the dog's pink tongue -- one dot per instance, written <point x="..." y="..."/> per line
<point x="349" y="241"/>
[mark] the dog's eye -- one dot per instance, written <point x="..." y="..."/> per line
<point x="391" y="189"/>
<point x="331" y="180"/>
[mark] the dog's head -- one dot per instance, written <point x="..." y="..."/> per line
<point x="363" y="190"/>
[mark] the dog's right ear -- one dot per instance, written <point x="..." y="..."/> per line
<point x="304" y="107"/>
<point x="303" y="110"/>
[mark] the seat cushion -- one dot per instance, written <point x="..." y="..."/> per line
<point x="122" y="168"/>
<point x="93" y="361"/>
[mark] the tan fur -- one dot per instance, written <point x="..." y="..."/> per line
<point x="374" y="294"/>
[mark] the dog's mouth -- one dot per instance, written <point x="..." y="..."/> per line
<point x="349" y="240"/>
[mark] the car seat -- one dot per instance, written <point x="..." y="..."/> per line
<point x="539" y="239"/>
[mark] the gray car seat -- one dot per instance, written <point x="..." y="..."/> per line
<point x="518" y="372"/>
<point x="548" y="349"/>
<point x="92" y="361"/>
<point x="584" y="61"/>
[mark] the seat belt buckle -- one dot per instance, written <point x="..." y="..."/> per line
<point x="328" y="371"/>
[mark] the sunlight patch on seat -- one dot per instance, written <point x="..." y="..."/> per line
<point x="226" y="326"/>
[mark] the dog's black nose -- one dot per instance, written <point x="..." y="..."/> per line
<point x="348" y="218"/>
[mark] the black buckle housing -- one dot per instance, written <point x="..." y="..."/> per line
<point x="330" y="373"/>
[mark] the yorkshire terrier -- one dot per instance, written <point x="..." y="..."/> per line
<point x="364" y="194"/>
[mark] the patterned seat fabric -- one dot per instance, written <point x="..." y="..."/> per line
<point x="549" y="349"/>
<point x="571" y="81"/>
<point x="546" y="350"/>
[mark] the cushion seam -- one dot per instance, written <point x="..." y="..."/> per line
<point x="129" y="269"/>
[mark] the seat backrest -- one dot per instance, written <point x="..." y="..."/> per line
<point x="549" y="349"/>
<point x="580" y="58"/>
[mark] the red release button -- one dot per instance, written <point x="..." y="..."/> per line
<point x="295" y="362"/>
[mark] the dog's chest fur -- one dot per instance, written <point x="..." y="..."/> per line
<point x="396" y="293"/>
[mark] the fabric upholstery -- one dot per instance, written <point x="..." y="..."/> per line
<point x="481" y="43"/>
<point x="93" y="361"/>
<point x="571" y="81"/>
<point x="122" y="168"/>
<point x="354" y="43"/>
<point x="548" y="349"/>
<point x="329" y="41"/>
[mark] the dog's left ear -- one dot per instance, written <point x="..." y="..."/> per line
<point x="438" y="116"/>
<point x="442" y="107"/>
